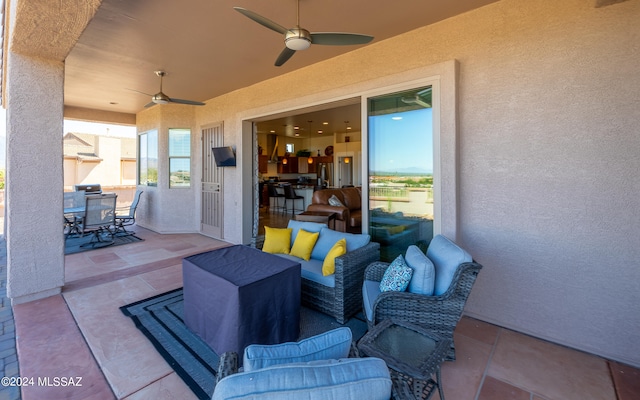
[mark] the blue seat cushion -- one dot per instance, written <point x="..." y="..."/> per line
<point x="446" y="257"/>
<point x="329" y="237"/>
<point x="424" y="274"/>
<point x="348" y="378"/>
<point x="370" y="293"/>
<point x="307" y="226"/>
<point x="312" y="270"/>
<point x="328" y="345"/>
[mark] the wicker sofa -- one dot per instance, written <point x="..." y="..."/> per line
<point x="439" y="311"/>
<point x="349" y="215"/>
<point x="340" y="294"/>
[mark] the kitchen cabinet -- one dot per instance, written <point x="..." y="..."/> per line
<point x="291" y="167"/>
<point x="263" y="164"/>
<point x="303" y="165"/>
<point x="313" y="167"/>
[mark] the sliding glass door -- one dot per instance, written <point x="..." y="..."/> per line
<point x="401" y="169"/>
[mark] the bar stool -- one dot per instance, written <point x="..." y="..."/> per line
<point x="290" y="194"/>
<point x="273" y="194"/>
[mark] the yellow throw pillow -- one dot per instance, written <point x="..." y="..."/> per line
<point x="329" y="264"/>
<point x="304" y="243"/>
<point x="277" y="240"/>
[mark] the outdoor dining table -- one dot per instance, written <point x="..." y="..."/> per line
<point x="74" y="210"/>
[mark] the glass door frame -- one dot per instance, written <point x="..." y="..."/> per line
<point x="437" y="172"/>
<point x="443" y="76"/>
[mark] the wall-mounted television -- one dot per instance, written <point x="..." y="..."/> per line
<point x="224" y="156"/>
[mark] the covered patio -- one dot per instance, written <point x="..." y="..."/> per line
<point x="97" y="342"/>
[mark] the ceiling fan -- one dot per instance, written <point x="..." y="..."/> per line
<point x="300" y="39"/>
<point x="161" y="98"/>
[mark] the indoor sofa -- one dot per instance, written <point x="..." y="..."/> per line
<point x="338" y="294"/>
<point x="348" y="208"/>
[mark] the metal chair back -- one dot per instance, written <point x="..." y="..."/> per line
<point x="132" y="208"/>
<point x="100" y="211"/>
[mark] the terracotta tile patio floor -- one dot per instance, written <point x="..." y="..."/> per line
<point x="82" y="333"/>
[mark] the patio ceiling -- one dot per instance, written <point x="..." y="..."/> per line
<point x="208" y="49"/>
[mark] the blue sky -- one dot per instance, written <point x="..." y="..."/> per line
<point x="398" y="145"/>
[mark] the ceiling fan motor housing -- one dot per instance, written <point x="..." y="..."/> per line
<point x="297" y="39"/>
<point x="160" y="98"/>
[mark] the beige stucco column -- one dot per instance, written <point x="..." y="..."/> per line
<point x="35" y="247"/>
<point x="40" y="36"/>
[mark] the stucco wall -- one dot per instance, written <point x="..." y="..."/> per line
<point x="548" y="108"/>
<point x="163" y="209"/>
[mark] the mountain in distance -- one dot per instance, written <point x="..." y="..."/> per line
<point x="406" y="171"/>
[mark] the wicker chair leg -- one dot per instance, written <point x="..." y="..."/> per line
<point x="451" y="355"/>
<point x="228" y="365"/>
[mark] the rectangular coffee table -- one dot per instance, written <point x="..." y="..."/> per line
<point x="236" y="296"/>
<point x="317" y="216"/>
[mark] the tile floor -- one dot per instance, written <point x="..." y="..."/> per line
<point x="82" y="333"/>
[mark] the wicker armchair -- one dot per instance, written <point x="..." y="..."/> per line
<point x="400" y="389"/>
<point x="345" y="299"/>
<point x="438" y="313"/>
<point x="228" y="364"/>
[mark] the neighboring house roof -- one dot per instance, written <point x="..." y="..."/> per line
<point x="88" y="157"/>
<point x="82" y="146"/>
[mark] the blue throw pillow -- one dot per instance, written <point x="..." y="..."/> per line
<point x="446" y="257"/>
<point x="332" y="344"/>
<point x="397" y="276"/>
<point x="329" y="237"/>
<point x="307" y="226"/>
<point x="424" y="273"/>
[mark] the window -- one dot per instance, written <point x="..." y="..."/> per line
<point x="179" y="158"/>
<point x="289" y="148"/>
<point x="148" y="158"/>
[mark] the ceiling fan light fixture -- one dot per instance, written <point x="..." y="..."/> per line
<point x="160" y="98"/>
<point x="297" y="39"/>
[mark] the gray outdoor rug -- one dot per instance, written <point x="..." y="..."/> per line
<point x="76" y="244"/>
<point x="160" y="318"/>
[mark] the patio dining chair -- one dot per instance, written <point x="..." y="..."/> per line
<point x="100" y="212"/>
<point x="73" y="212"/>
<point x="126" y="216"/>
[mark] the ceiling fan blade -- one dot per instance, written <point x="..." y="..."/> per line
<point x="284" y="56"/>
<point x="339" y="39"/>
<point x="149" y="105"/>
<point x="266" y="22"/>
<point x="137" y="91"/>
<point x="190" y="102"/>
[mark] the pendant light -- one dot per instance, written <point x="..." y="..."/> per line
<point x="347" y="159"/>
<point x="310" y="159"/>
